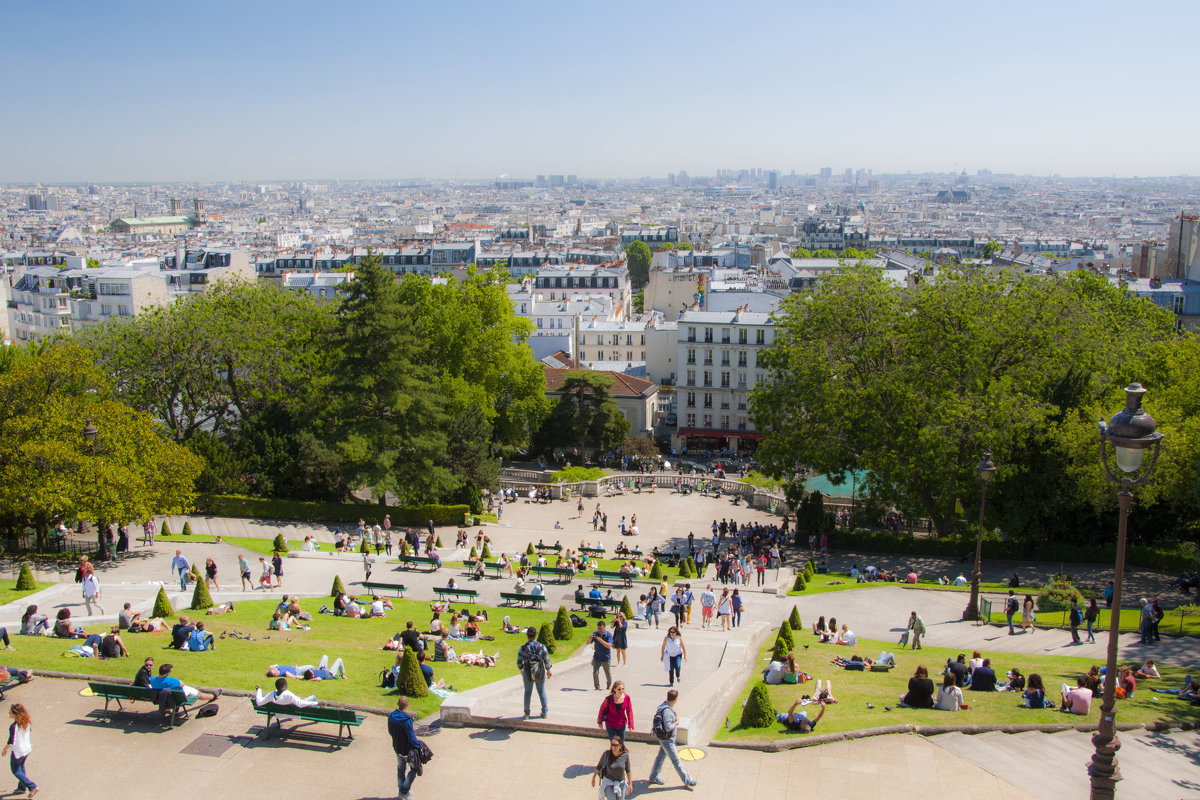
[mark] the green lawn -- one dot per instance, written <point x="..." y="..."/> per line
<point x="855" y="690"/>
<point x="841" y="581"/>
<point x="1130" y="621"/>
<point x="241" y="664"/>
<point x="9" y="591"/>
<point x="263" y="546"/>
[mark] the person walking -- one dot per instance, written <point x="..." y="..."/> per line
<point x="1028" y="616"/>
<point x="244" y="572"/>
<point x="917" y="626"/>
<point x="1011" y="607"/>
<point x="655" y="604"/>
<point x="620" y="637"/>
<point x="665" y="724"/>
<point x="19" y="747"/>
<point x="368" y="562"/>
<point x="210" y="573"/>
<point x="673" y="654"/>
<point x="277" y="568"/>
<point x="406" y="745"/>
<point x="1093" y="612"/>
<point x="725" y="609"/>
<point x="688" y="599"/>
<point x="737" y="605"/>
<point x="708" y="603"/>
<point x="616" y="778"/>
<point x="616" y="712"/>
<point x="677" y="605"/>
<point x="1074" y="618"/>
<point x="180" y="566"/>
<point x="602" y="643"/>
<point x="91" y="593"/>
<point x="534" y="663"/>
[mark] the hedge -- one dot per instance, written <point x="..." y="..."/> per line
<point x="1167" y="560"/>
<point x="300" y="511"/>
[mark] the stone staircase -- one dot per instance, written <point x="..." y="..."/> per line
<point x="1054" y="765"/>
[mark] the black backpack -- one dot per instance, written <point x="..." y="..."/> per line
<point x="1076" y="617"/>
<point x="387" y="679"/>
<point x="659" y="725"/>
<point x="578" y="621"/>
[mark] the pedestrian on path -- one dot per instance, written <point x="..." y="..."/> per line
<point x="1028" y="615"/>
<point x="917" y="626"/>
<point x="601" y="641"/>
<point x="1075" y="617"/>
<point x="210" y="573"/>
<point x="655" y="605"/>
<point x="620" y="639"/>
<point x="677" y="605"/>
<point x="91" y="593"/>
<point x="244" y="572"/>
<point x="1011" y="607"/>
<point x="724" y="609"/>
<point x="616" y="777"/>
<point x="708" y="603"/>
<point x="616" y="712"/>
<point x="673" y="654"/>
<point x="277" y="568"/>
<point x="665" y="724"/>
<point x="19" y="747"/>
<point x="1090" y="617"/>
<point x="368" y="562"/>
<point x="264" y="579"/>
<point x="406" y="746"/>
<point x="180" y="566"/>
<point x="534" y="663"/>
<point x="737" y="605"/>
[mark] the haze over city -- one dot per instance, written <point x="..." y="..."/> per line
<point x="274" y="91"/>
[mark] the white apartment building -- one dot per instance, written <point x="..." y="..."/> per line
<point x="616" y="342"/>
<point x="324" y="285"/>
<point x="554" y="321"/>
<point x="575" y="280"/>
<point x="718" y="360"/>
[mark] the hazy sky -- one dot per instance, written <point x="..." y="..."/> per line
<point x="256" y="90"/>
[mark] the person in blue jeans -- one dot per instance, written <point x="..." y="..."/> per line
<point x="601" y="641"/>
<point x="405" y="745"/>
<point x="1011" y="607"/>
<point x="665" y="734"/>
<point x="533" y="662"/>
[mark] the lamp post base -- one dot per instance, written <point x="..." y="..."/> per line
<point x="1103" y="769"/>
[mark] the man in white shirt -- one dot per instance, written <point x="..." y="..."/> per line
<point x="1077" y="700"/>
<point x="960" y="580"/>
<point x="284" y="697"/>
<point x="708" y="600"/>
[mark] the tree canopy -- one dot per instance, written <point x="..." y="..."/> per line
<point x="912" y="384"/>
<point x="585" y="416"/>
<point x="637" y="259"/>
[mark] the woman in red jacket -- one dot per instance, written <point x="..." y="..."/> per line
<point x="616" y="712"/>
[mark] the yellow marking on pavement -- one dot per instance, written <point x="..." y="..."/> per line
<point x="691" y="754"/>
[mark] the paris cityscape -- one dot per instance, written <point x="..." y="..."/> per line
<point x="386" y="383"/>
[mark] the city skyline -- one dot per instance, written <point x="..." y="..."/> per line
<point x="275" y="91"/>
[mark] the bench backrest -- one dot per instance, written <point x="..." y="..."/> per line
<point x="127" y="691"/>
<point x="316" y="713"/>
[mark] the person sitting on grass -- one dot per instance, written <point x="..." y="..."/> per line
<point x="426" y="672"/>
<point x="34" y="624"/>
<point x="959" y="669"/>
<point x="442" y="651"/>
<point x="1035" y="692"/>
<point x="983" y="679"/>
<point x="847" y="637"/>
<point x="1016" y="682"/>
<point x="1147" y="670"/>
<point x="508" y="627"/>
<point x="278" y="623"/>
<point x="111" y="646"/>
<point x="321" y="672"/>
<point x="950" y="695"/>
<point x="920" y="690"/>
<point x="818" y="627"/>
<point x="798" y="721"/>
<point x="63" y="628"/>
<point x="284" y="696"/>
<point x="1126" y="683"/>
<point x="200" y="639"/>
<point x="1077" y="700"/>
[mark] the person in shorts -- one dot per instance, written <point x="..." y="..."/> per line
<point x="798" y="721"/>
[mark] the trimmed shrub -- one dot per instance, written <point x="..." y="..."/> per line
<point x="487" y="551"/>
<point x="196" y="572"/>
<point x="201" y="599"/>
<point x="656" y="572"/>
<point x="626" y="608"/>
<point x="187" y="528"/>
<point x="785" y="633"/>
<point x="165" y="530"/>
<point x="799" y="585"/>
<point x="684" y="570"/>
<point x="438" y="543"/>
<point x="781" y="649"/>
<point x="25" y="581"/>
<point x="529" y="551"/>
<point x="546" y="636"/>
<point x="794" y="620"/>
<point x="474" y="555"/>
<point x="409" y="681"/>
<point x="1057" y="595"/>
<point x="563" y="630"/>
<point x="338" y="586"/>
<point x="758" y="712"/>
<point x="162" y="606"/>
<point x="300" y="511"/>
<point x="363" y="547"/>
<point x="576" y="474"/>
<point x="280" y="544"/>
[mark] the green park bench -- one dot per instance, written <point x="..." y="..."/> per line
<point x="563" y="573"/>
<point x="592" y="551"/>
<point x="446" y="591"/>
<point x="548" y="548"/>
<point x="120" y="692"/>
<point x="603" y="601"/>
<point x="344" y="718"/>
<point x="624" y="578"/>
<point x="413" y="561"/>
<point x="519" y="597"/>
<point x="399" y="588"/>
<point x="497" y="566"/>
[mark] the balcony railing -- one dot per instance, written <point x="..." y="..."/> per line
<point x="708" y="362"/>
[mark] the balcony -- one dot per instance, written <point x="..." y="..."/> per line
<point x="691" y="404"/>
<point x="708" y="362"/>
<point x="724" y="340"/>
<point x="708" y="383"/>
<point x="724" y="362"/>
<point x="725" y="406"/>
<point x="691" y="337"/>
<point x="690" y="382"/>
<point x="708" y="339"/>
<point x="708" y="404"/>
<point x="691" y="360"/>
<point x="741" y="406"/>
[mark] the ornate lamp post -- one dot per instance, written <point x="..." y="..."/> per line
<point x="90" y="432"/>
<point x="1131" y="432"/>
<point x="985" y="471"/>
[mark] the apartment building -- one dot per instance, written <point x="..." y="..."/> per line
<point x="615" y="341"/>
<point x="719" y="364"/>
<point x="564" y="282"/>
<point x="554" y="321"/>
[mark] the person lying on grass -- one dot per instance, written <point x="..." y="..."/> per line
<point x="321" y="672"/>
<point x="798" y="721"/>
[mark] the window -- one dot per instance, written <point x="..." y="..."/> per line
<point x="643" y="341"/>
<point x="691" y="377"/>
<point x="724" y="358"/>
<point x="629" y="355"/>
<point x="708" y="336"/>
<point x="725" y="421"/>
<point x="725" y="335"/>
<point x="583" y="338"/>
<point x="691" y="399"/>
<point x="691" y="334"/>
<point x="691" y="355"/>
<point x="741" y="358"/>
<point x="708" y="399"/>
<point x="760" y="337"/>
<point x="691" y="420"/>
<point x="742" y="336"/>
<point x="616" y="340"/>
<point x="707" y="377"/>
<point x="582" y="355"/>
<point x="628" y="339"/>
<point x="708" y="357"/>
<point x="724" y="380"/>
<point x="539" y="322"/>
<point x="708" y="420"/>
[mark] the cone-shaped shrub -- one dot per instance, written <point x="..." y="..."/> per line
<point x="410" y="682"/>
<point x="626" y="609"/>
<point x="363" y="547"/>
<point x="656" y="572"/>
<point x="338" y="587"/>
<point x="684" y="570"/>
<point x="546" y="636"/>
<point x="187" y="528"/>
<point x="280" y="544"/>
<point x="162" y="606"/>
<point x="201" y="599"/>
<point x="781" y="649"/>
<point x="487" y="551"/>
<point x="529" y="550"/>
<point x="438" y="543"/>
<point x="799" y="585"/>
<point x="785" y="633"/>
<point x="25" y="581"/>
<point x="474" y="555"/>
<point x="794" y="620"/>
<point x="563" y="630"/>
<point x="196" y="571"/>
<point x="692" y="566"/>
<point x="165" y="530"/>
<point x="758" y="713"/>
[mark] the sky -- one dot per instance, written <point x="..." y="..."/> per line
<point x="261" y="90"/>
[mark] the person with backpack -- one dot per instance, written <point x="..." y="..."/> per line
<point x="1011" y="607"/>
<point x="533" y="661"/>
<point x="664" y="726"/>
<point x="406" y="745"/>
<point x="1075" y="618"/>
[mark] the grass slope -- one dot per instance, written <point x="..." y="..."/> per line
<point x="263" y="546"/>
<point x="855" y="690"/>
<point x="9" y="591"/>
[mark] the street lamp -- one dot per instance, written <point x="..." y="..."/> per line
<point x="90" y="432"/>
<point x="985" y="470"/>
<point x="1131" y="432"/>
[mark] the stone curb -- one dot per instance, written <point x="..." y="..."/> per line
<point x="933" y="730"/>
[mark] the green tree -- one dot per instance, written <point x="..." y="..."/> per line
<point x="529" y="551"/>
<point x="637" y="259"/>
<point x="990" y="248"/>
<point x="338" y="586"/>
<point x="781" y="649"/>
<point x="409" y="680"/>
<point x="656" y="572"/>
<point x="626" y="608"/>
<point x="487" y="551"/>
<point x="25" y="581"/>
<point x="162" y="605"/>
<point x="639" y="301"/>
<point x="640" y="447"/>
<point x="187" y="528"/>
<point x="758" y="713"/>
<point x="801" y="252"/>
<point x="825" y="253"/>
<point x="201" y="599"/>
<point x="563" y="630"/>
<point x="794" y="620"/>
<point x="586" y="416"/>
<point x="785" y="633"/>
<point x="280" y="544"/>
<point x="799" y="585"/>
<point x="165" y="530"/>
<point x="546" y="636"/>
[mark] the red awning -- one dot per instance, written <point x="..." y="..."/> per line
<point x="715" y="432"/>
